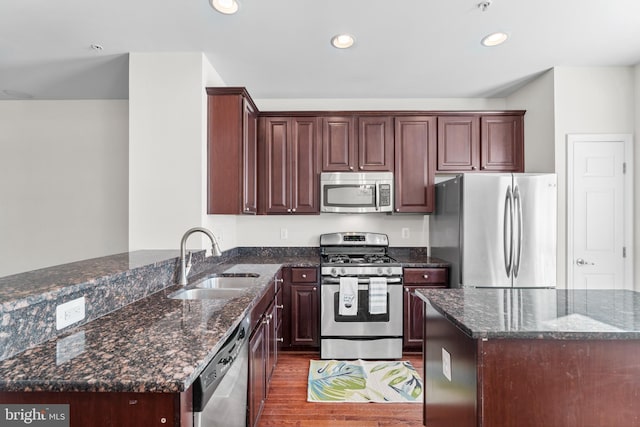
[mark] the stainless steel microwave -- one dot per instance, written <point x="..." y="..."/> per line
<point x="356" y="192"/>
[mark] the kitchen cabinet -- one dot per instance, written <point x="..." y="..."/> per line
<point x="502" y="143"/>
<point x="368" y="149"/>
<point x="415" y="278"/>
<point x="415" y="163"/>
<point x="302" y="296"/>
<point x="263" y="349"/>
<point x="289" y="155"/>
<point x="458" y="143"/>
<point x="484" y="143"/>
<point x="232" y="151"/>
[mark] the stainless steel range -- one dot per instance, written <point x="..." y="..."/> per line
<point x="361" y="297"/>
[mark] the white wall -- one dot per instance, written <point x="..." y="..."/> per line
<point x="167" y="147"/>
<point x="63" y="182"/>
<point x="539" y="127"/>
<point x="636" y="161"/>
<point x="588" y="100"/>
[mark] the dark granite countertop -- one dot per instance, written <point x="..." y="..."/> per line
<point x="156" y="344"/>
<point x="144" y="343"/>
<point x="539" y="313"/>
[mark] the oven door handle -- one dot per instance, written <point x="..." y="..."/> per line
<point x="361" y="280"/>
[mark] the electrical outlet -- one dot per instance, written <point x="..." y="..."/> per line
<point x="69" y="313"/>
<point x="405" y="233"/>
<point x="284" y="234"/>
<point x="446" y="364"/>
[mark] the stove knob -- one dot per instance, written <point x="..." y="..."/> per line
<point x="389" y="271"/>
<point x="334" y="272"/>
<point x="380" y="271"/>
<point x="343" y="271"/>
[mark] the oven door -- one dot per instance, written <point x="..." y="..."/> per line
<point x="363" y="324"/>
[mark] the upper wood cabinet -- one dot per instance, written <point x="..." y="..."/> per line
<point x="288" y="154"/>
<point x="502" y="143"/>
<point x="458" y="143"/>
<point x="368" y="149"/>
<point x="489" y="143"/>
<point x="232" y="151"/>
<point x="415" y="163"/>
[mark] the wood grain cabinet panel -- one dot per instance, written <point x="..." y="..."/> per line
<point x="415" y="278"/>
<point x="301" y="321"/>
<point x="289" y="155"/>
<point x="232" y="151"/>
<point x="502" y="143"/>
<point x="375" y="143"/>
<point x="458" y="143"/>
<point x="415" y="163"/>
<point x="338" y="144"/>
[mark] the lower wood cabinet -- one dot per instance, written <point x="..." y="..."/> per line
<point x="301" y="313"/>
<point x="415" y="278"/>
<point x="263" y="348"/>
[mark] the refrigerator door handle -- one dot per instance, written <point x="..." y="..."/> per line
<point x="507" y="239"/>
<point x="517" y="200"/>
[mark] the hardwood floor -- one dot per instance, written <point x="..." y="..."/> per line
<point x="287" y="404"/>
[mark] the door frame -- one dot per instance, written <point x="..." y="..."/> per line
<point x="628" y="233"/>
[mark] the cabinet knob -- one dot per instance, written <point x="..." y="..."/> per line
<point x="350" y="168"/>
<point x="406" y="289"/>
<point x="278" y="280"/>
<point x="288" y="210"/>
<point x="482" y="167"/>
<point x="163" y="420"/>
<point x="293" y="210"/>
<point x="315" y="288"/>
<point x="426" y="276"/>
<point x="304" y="276"/>
<point x="279" y="307"/>
<point x="473" y="168"/>
<point x="397" y="209"/>
<point x="279" y="339"/>
<point x="361" y="167"/>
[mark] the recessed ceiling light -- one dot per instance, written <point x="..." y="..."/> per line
<point x="96" y="47"/>
<point x="228" y="7"/>
<point x="494" y="39"/>
<point x="342" y="41"/>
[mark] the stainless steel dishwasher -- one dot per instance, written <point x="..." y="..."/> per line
<point x="220" y="392"/>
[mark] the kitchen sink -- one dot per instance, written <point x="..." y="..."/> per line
<point x="229" y="281"/>
<point x="208" y="294"/>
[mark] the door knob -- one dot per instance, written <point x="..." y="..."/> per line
<point x="582" y="262"/>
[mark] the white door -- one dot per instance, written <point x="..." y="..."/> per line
<point x="599" y="219"/>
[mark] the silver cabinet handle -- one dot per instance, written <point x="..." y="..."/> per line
<point x="304" y="276"/>
<point x="426" y="276"/>
<point x="582" y="262"/>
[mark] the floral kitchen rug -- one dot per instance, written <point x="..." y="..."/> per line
<point x="363" y="381"/>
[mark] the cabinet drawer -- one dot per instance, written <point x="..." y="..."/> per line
<point x="304" y="275"/>
<point x="426" y="276"/>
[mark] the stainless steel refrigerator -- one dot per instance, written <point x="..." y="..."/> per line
<point x="497" y="229"/>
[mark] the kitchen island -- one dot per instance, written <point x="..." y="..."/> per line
<point x="531" y="357"/>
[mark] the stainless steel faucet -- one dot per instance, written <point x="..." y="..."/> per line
<point x="184" y="267"/>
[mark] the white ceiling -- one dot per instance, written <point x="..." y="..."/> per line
<point x="280" y="48"/>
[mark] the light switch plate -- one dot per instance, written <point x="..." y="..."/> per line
<point x="446" y="364"/>
<point x="69" y="313"/>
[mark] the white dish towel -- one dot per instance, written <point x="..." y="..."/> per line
<point x="348" y="296"/>
<point x="377" y="295"/>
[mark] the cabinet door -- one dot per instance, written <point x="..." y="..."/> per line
<point x="305" y="326"/>
<point x="271" y="338"/>
<point x="276" y="183"/>
<point x="458" y="143"/>
<point x="413" y="317"/>
<point x="502" y="142"/>
<point x="375" y="144"/>
<point x="304" y="155"/>
<point x="338" y="144"/>
<point x="415" y="152"/>
<point x="257" y="392"/>
<point x="250" y="155"/>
